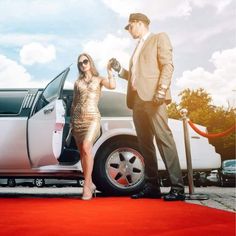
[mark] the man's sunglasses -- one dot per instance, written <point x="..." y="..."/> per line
<point x="85" y="62"/>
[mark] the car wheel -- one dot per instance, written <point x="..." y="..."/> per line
<point x="203" y="179"/>
<point x="197" y="183"/>
<point x="222" y="182"/>
<point x="11" y="182"/>
<point x="39" y="182"/>
<point x="119" y="167"/>
<point x="80" y="182"/>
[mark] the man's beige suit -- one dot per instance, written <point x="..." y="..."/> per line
<point x="154" y="67"/>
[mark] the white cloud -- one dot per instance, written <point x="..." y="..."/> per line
<point x="110" y="46"/>
<point x="42" y="10"/>
<point x="219" y="4"/>
<point x="221" y="83"/>
<point x="156" y="10"/>
<point x="23" y="9"/>
<point x="20" y="39"/>
<point x="37" y="53"/>
<point x="62" y="43"/>
<point x="13" y="75"/>
<point x="162" y="9"/>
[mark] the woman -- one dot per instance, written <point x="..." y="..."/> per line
<point x="85" y="116"/>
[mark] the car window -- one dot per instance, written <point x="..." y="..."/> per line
<point x="113" y="104"/>
<point x="53" y="90"/>
<point x="230" y="163"/>
<point x="11" y="102"/>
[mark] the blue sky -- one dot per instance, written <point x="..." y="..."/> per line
<point x="39" y="38"/>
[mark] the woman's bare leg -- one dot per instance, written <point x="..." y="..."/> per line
<point x="87" y="165"/>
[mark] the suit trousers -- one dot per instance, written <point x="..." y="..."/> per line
<point x="151" y="121"/>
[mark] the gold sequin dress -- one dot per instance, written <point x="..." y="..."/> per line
<point x="85" y="116"/>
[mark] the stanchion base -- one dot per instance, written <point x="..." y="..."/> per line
<point x="196" y="196"/>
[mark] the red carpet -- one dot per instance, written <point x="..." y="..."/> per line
<point x="111" y="216"/>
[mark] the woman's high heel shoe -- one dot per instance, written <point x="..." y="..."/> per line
<point x="90" y="192"/>
<point x="94" y="188"/>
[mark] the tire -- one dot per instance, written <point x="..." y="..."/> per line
<point x="80" y="182"/>
<point x="203" y="179"/>
<point x="197" y="184"/>
<point x="196" y="179"/>
<point x="221" y="181"/>
<point x="119" y="167"/>
<point x="11" y="182"/>
<point x="39" y="182"/>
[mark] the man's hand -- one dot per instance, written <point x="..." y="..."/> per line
<point x="115" y="65"/>
<point x="159" y="96"/>
<point x="158" y="100"/>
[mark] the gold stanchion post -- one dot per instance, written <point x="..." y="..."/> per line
<point x="191" y="195"/>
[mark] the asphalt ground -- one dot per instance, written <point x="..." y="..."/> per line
<point x="223" y="198"/>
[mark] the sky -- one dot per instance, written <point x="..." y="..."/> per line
<point x="40" y="38"/>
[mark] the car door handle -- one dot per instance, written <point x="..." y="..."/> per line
<point x="48" y="110"/>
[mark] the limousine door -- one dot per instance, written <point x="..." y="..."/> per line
<point x="45" y="126"/>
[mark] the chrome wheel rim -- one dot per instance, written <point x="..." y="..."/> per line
<point x="125" y="168"/>
<point x="39" y="182"/>
<point x="81" y="182"/>
<point x="11" y="182"/>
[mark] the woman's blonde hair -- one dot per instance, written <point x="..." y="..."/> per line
<point x="92" y="65"/>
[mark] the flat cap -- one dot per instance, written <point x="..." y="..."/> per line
<point x="138" y="17"/>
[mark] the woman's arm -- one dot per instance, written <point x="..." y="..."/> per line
<point x="109" y="82"/>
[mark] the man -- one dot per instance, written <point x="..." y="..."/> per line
<point x="149" y="77"/>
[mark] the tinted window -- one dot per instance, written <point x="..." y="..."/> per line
<point x="53" y="90"/>
<point x="10" y="102"/>
<point x="231" y="163"/>
<point x="113" y="104"/>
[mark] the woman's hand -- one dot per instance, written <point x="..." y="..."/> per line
<point x="109" y="82"/>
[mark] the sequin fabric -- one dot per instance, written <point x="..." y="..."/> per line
<point x="85" y="117"/>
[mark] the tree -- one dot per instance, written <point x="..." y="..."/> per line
<point x="216" y="119"/>
<point x="220" y="121"/>
<point x="173" y="111"/>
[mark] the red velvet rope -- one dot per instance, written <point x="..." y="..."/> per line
<point x="222" y="134"/>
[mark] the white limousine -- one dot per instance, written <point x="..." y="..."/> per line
<point x="34" y="124"/>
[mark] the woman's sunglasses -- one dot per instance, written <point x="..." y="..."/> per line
<point x="85" y="62"/>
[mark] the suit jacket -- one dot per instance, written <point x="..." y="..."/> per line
<point x="154" y="67"/>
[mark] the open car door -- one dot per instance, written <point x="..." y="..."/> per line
<point x="45" y="126"/>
